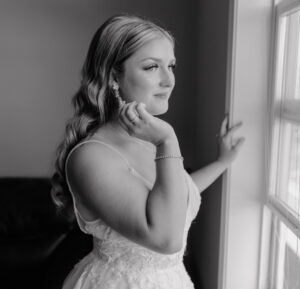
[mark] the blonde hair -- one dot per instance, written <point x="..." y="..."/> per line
<point x="95" y="104"/>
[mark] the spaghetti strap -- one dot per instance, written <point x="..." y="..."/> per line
<point x="130" y="168"/>
<point x="101" y="142"/>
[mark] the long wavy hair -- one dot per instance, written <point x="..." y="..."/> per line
<point x="95" y="103"/>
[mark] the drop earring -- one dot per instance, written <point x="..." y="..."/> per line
<point x="115" y="88"/>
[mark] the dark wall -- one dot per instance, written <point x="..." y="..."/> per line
<point x="212" y="23"/>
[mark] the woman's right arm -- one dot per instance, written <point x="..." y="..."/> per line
<point x="167" y="201"/>
<point x="104" y="186"/>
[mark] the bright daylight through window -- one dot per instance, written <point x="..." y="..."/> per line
<point x="284" y="183"/>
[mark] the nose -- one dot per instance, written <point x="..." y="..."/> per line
<point x="167" y="78"/>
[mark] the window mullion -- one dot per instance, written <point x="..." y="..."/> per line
<point x="290" y="110"/>
<point x="285" y="214"/>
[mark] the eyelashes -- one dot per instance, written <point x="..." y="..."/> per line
<point x="153" y="67"/>
<point x="173" y="66"/>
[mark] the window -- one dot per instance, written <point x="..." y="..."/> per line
<point x="284" y="184"/>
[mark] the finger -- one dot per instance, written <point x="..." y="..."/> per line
<point x="124" y="119"/>
<point x="239" y="143"/>
<point x="122" y="109"/>
<point x="144" y="115"/>
<point x="136" y="111"/>
<point x="234" y="128"/>
<point x="131" y="112"/>
<point x="129" y="124"/>
<point x="223" y="129"/>
<point x="132" y="116"/>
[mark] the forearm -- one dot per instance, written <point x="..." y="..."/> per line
<point x="205" y="176"/>
<point x="167" y="202"/>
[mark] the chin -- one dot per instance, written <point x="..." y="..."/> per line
<point x="160" y="110"/>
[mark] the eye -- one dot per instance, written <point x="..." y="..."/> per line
<point x="151" y="67"/>
<point x="172" y="66"/>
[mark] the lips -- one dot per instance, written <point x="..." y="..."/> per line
<point x="162" y="94"/>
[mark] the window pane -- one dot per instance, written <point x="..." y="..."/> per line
<point x="288" y="174"/>
<point x="291" y="71"/>
<point x="287" y="274"/>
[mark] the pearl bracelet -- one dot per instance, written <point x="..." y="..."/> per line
<point x="168" y="156"/>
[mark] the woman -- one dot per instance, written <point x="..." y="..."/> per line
<point x="121" y="168"/>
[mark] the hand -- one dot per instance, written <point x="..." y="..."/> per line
<point x="229" y="146"/>
<point x="135" y="119"/>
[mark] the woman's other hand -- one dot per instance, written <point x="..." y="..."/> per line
<point x="135" y="119"/>
<point x="228" y="145"/>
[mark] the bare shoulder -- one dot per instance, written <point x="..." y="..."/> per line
<point x="92" y="168"/>
<point x="93" y="154"/>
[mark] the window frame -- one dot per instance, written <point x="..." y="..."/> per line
<point x="243" y="213"/>
<point x="274" y="204"/>
<point x="245" y="217"/>
<point x="280" y="212"/>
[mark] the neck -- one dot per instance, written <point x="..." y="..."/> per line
<point x="115" y="127"/>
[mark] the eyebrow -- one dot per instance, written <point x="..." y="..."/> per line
<point x="156" y="59"/>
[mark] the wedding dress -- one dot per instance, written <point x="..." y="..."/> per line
<point x="118" y="263"/>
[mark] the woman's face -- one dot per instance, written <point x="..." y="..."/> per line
<point x="148" y="75"/>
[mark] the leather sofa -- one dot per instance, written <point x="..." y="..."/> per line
<point x="38" y="247"/>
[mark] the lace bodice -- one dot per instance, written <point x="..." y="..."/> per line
<point x="123" y="256"/>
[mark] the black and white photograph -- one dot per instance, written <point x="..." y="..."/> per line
<point x="150" y="144"/>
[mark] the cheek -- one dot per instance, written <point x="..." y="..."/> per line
<point x="138" y="87"/>
<point x="141" y="81"/>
